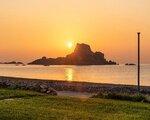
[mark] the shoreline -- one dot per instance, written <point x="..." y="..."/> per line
<point x="82" y="87"/>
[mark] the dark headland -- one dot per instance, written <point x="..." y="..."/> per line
<point x="82" y="55"/>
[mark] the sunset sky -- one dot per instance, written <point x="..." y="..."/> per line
<point x="30" y="29"/>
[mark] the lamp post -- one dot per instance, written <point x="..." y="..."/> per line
<point x="138" y="87"/>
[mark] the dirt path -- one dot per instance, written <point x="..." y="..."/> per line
<point x="75" y="94"/>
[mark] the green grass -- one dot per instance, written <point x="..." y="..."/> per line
<point x="27" y="105"/>
<point x="8" y="94"/>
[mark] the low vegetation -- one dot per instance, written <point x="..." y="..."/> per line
<point x="27" y="105"/>
<point x="128" y="97"/>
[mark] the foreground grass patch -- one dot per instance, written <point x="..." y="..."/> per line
<point x="45" y="107"/>
<point x="8" y="93"/>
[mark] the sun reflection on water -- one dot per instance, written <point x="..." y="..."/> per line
<point x="69" y="74"/>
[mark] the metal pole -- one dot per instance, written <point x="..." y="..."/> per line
<point x="138" y="62"/>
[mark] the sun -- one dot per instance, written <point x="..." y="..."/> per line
<point x="69" y="44"/>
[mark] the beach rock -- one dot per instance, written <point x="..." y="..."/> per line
<point x="43" y="88"/>
<point x="38" y="86"/>
<point x="12" y="85"/>
<point x="51" y="91"/>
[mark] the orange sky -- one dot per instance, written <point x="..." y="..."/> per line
<point x="36" y="28"/>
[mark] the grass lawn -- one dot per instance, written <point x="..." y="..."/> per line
<point x="25" y="105"/>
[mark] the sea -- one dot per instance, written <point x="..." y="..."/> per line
<point x="111" y="74"/>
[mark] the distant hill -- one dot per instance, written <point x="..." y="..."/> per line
<point x="82" y="55"/>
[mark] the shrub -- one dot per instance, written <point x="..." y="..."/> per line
<point x="135" y="97"/>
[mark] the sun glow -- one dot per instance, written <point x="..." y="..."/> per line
<point x="69" y="44"/>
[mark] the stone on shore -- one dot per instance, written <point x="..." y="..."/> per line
<point x="27" y="85"/>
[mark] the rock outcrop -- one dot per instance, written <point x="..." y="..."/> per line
<point x="13" y="62"/>
<point x="82" y="55"/>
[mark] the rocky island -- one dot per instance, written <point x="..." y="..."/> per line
<point x="12" y="62"/>
<point x="82" y="55"/>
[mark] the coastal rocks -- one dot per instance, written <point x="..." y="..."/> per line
<point x="51" y="87"/>
<point x="82" y="55"/>
<point x="13" y="62"/>
<point x="43" y="88"/>
<point x="130" y="64"/>
<point x="51" y="91"/>
<point x="12" y="83"/>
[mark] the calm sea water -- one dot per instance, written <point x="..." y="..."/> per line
<point x="119" y="74"/>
